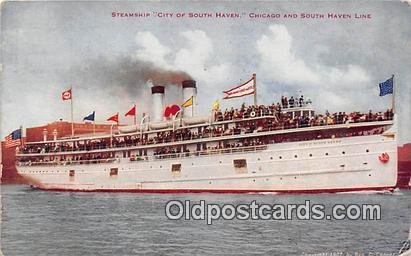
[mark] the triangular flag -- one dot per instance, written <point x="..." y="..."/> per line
<point x="113" y="118"/>
<point x="188" y="102"/>
<point x="132" y="111"/>
<point x="216" y="105"/>
<point x="90" y="117"/>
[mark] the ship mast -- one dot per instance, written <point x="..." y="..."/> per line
<point x="255" y="89"/>
<point x="393" y="95"/>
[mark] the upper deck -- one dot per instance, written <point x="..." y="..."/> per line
<point x="235" y="124"/>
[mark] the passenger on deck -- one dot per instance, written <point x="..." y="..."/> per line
<point x="291" y="102"/>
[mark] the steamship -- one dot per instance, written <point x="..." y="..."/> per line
<point x="285" y="148"/>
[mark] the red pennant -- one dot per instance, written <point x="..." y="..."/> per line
<point x="113" y="118"/>
<point x="132" y="111"/>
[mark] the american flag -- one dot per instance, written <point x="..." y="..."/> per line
<point x="13" y="139"/>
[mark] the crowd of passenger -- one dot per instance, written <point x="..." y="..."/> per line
<point x="276" y="120"/>
<point x="222" y="147"/>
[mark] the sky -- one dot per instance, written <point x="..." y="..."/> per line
<point x="48" y="47"/>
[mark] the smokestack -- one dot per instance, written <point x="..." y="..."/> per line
<point x="189" y="90"/>
<point x="158" y="103"/>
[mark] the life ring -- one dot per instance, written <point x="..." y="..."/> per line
<point x="384" y="157"/>
<point x="252" y="114"/>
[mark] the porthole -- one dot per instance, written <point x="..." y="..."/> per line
<point x="369" y="175"/>
<point x="343" y="152"/>
<point x="326" y="154"/>
<point x="253" y="180"/>
<point x="295" y="177"/>
<point x="367" y="150"/>
<point x="258" y="159"/>
<point x="281" y="178"/>
<point x="295" y="156"/>
<point x="271" y="158"/>
<point x="311" y="155"/>
<point x="221" y="162"/>
<point x="280" y="157"/>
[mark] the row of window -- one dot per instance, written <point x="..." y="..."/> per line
<point x="258" y="159"/>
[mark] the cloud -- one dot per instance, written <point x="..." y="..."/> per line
<point x="151" y="49"/>
<point x="196" y="57"/>
<point x="280" y="63"/>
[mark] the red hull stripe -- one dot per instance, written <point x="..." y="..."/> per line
<point x="224" y="191"/>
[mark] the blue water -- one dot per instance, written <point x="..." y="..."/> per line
<point x="37" y="222"/>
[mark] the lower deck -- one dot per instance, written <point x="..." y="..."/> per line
<point x="342" y="164"/>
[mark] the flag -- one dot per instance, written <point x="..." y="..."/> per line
<point x="66" y="95"/>
<point x="188" y="102"/>
<point x="90" y="117"/>
<point x="113" y="118"/>
<point x="387" y="86"/>
<point x="244" y="89"/>
<point x="171" y="110"/>
<point x="13" y="139"/>
<point x="132" y="111"/>
<point x="216" y="105"/>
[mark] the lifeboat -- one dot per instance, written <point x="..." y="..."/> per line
<point x="129" y="128"/>
<point x="161" y="125"/>
<point x="195" y="120"/>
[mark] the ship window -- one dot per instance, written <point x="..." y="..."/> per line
<point x="71" y="173"/>
<point x="295" y="156"/>
<point x="326" y="154"/>
<point x="176" y="168"/>
<point x="280" y="157"/>
<point x="343" y="152"/>
<point x="113" y="171"/>
<point x="311" y="155"/>
<point x="367" y="150"/>
<point x="240" y="163"/>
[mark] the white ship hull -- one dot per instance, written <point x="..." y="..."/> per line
<point x="328" y="165"/>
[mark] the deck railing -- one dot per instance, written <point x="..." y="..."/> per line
<point x="156" y="157"/>
<point x="184" y="137"/>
